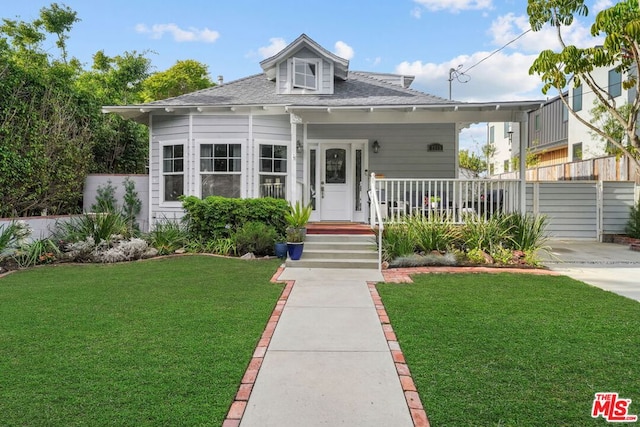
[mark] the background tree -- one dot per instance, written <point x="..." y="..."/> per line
<point x="184" y="77"/>
<point x="604" y="120"/>
<point x="470" y="161"/>
<point x="620" y="26"/>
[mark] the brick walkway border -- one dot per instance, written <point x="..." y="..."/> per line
<point x="248" y="380"/>
<point x="394" y="275"/>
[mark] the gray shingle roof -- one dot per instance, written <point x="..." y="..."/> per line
<point x="360" y="89"/>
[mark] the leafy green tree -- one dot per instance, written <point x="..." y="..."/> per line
<point x="184" y="77"/>
<point x="120" y="146"/>
<point x="620" y="26"/>
<point x="470" y="161"/>
<point x="604" y="120"/>
<point x="45" y="132"/>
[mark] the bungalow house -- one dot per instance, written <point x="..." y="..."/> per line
<point x="306" y="128"/>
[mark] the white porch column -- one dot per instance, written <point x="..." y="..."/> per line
<point x="293" y="154"/>
<point x="524" y="143"/>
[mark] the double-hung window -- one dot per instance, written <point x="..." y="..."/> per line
<point x="305" y="74"/>
<point x="220" y="170"/>
<point x="577" y="98"/>
<point x="615" y="83"/>
<point x="173" y="172"/>
<point x="273" y="171"/>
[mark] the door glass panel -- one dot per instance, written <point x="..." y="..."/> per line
<point x="312" y="178"/>
<point x="335" y="166"/>
<point x="358" y="181"/>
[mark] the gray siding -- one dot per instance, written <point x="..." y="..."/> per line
<point x="618" y="198"/>
<point x="553" y="130"/>
<point x="220" y="127"/>
<point x="403" y="148"/>
<point x="276" y="128"/>
<point x="572" y="209"/>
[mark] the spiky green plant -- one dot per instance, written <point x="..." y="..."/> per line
<point x="167" y="237"/>
<point x="99" y="226"/>
<point x="397" y="241"/>
<point x="433" y="233"/>
<point x="528" y="231"/>
<point x="485" y="234"/>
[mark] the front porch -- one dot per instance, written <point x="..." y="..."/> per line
<point x="448" y="199"/>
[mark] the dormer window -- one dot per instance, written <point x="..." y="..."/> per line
<point x="305" y="73"/>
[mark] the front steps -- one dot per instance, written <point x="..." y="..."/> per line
<point x="338" y="251"/>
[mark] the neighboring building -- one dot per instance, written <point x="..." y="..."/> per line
<point x="581" y="143"/>
<point x="307" y="129"/>
<point x="548" y="130"/>
<point x="505" y="138"/>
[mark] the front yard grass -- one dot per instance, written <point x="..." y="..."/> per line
<point x="157" y="342"/>
<point x="515" y="350"/>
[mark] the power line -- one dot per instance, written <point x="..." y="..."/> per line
<point x="495" y="51"/>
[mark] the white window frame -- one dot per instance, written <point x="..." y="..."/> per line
<point x="162" y="145"/>
<point x="318" y="76"/>
<point x="286" y="159"/>
<point x="241" y="172"/>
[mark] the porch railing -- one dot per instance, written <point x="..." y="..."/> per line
<point x="376" y="219"/>
<point x="446" y="198"/>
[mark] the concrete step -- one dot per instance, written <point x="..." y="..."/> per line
<point x="337" y="251"/>
<point x="335" y="263"/>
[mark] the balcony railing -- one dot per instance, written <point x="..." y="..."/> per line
<point x="445" y="198"/>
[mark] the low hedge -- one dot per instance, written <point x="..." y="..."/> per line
<point x="218" y="217"/>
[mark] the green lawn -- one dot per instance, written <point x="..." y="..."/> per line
<point x="158" y="342"/>
<point x="515" y="350"/>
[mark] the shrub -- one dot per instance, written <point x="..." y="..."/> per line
<point x="167" y="237"/>
<point x="433" y="233"/>
<point x="633" y="225"/>
<point x="220" y="217"/>
<point x="42" y="251"/>
<point x="397" y="241"/>
<point x="13" y="235"/>
<point x="99" y="226"/>
<point x="131" y="205"/>
<point x="485" y="234"/>
<point x="257" y="238"/>
<point x="105" y="199"/>
<point x="528" y="232"/>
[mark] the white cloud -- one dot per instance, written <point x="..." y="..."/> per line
<point x="501" y="77"/>
<point x="454" y="5"/>
<point x="343" y="50"/>
<point x="190" y="35"/>
<point x="507" y="28"/>
<point x="276" y="44"/>
<point x="601" y="5"/>
<point x="416" y="12"/>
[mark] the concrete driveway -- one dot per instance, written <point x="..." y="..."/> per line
<point x="609" y="266"/>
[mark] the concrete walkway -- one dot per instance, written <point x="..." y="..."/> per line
<point x="609" y="266"/>
<point x="328" y="362"/>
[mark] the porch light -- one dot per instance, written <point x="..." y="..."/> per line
<point x="376" y="146"/>
<point x="299" y="146"/>
<point x="510" y="133"/>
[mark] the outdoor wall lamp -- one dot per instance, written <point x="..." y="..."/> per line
<point x="376" y="146"/>
<point x="299" y="146"/>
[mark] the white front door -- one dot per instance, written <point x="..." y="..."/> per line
<point x="336" y="197"/>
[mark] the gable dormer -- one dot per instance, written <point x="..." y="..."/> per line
<point x="305" y="67"/>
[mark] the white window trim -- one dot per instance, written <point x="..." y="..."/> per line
<point x="291" y="76"/>
<point x="243" y="163"/>
<point x="171" y="204"/>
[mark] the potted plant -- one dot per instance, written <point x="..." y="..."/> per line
<point x="296" y="218"/>
<point x="434" y="201"/>
<point x="295" y="242"/>
<point x="280" y="247"/>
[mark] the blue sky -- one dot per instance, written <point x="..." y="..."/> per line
<point x="424" y="38"/>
